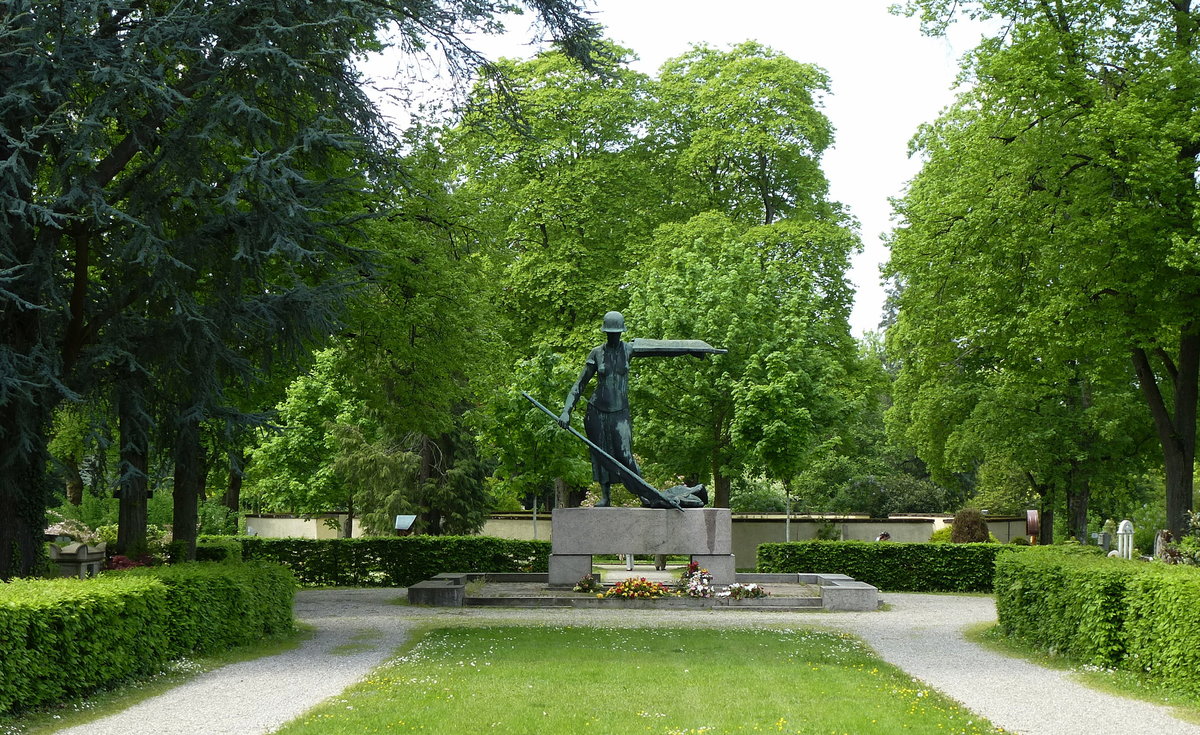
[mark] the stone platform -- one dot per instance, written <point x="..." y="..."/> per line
<point x="704" y="534"/>
<point x="789" y="592"/>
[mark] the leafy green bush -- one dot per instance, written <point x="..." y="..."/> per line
<point x="898" y="567"/>
<point x="395" y="561"/>
<point x="970" y="527"/>
<point x="218" y="548"/>
<point x="945" y="534"/>
<point x="1107" y="612"/>
<point x="67" y="637"/>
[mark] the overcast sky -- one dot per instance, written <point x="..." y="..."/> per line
<point x="886" y="80"/>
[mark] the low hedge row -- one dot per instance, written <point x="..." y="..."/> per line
<point x="395" y="561"/>
<point x="896" y="567"/>
<point x="68" y="637"/>
<point x="1106" y="612"/>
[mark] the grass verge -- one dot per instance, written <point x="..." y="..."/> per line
<point x="515" y="679"/>
<point x="1119" y="682"/>
<point x="126" y="694"/>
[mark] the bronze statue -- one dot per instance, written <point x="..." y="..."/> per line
<point x="607" y="422"/>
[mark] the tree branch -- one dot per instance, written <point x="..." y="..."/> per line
<point x="1148" y="384"/>
<point x="1168" y="363"/>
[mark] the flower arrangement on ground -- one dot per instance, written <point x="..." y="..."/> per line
<point x="739" y="591"/>
<point x="637" y="589"/>
<point x="696" y="582"/>
<point x="588" y="584"/>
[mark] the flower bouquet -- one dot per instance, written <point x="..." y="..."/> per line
<point x="696" y="582"/>
<point x="637" y="589"/>
<point x="739" y="591"/>
<point x="588" y="584"/>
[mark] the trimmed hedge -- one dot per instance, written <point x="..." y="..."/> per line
<point x="897" y="567"/>
<point x="1106" y="612"/>
<point x="68" y="637"/>
<point x="218" y="548"/>
<point x="215" y="606"/>
<point x="395" y="561"/>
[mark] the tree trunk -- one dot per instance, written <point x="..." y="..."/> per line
<point x="1078" y="495"/>
<point x="233" y="493"/>
<point x="22" y="517"/>
<point x="562" y="493"/>
<point x="1046" y="534"/>
<point x="135" y="448"/>
<point x="189" y="474"/>
<point x="720" y="487"/>
<point x="74" y="482"/>
<point x="1176" y="429"/>
<point x="1045" y="509"/>
<point x="426" y="473"/>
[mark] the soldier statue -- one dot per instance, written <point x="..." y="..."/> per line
<point x="607" y="423"/>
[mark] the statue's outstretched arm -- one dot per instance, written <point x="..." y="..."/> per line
<point x="673" y="348"/>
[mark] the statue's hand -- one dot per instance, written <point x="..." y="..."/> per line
<point x="565" y="420"/>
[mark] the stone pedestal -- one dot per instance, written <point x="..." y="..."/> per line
<point x="705" y="534"/>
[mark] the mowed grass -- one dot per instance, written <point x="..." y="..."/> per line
<point x="640" y="680"/>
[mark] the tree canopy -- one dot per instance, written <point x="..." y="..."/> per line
<point x="1045" y="258"/>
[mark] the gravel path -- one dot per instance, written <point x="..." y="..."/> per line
<point x="358" y="629"/>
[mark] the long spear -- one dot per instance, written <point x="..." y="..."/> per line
<point x="625" y="471"/>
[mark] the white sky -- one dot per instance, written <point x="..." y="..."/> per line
<point x="886" y="80"/>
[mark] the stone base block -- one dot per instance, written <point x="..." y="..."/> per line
<point x="589" y="531"/>
<point x="720" y="566"/>
<point x="567" y="569"/>
<point x="839" y="592"/>
<point x="436" y="592"/>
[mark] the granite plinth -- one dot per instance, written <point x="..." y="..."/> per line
<point x="704" y="534"/>
<point x="641" y="531"/>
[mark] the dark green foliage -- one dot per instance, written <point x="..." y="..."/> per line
<point x="67" y="637"/>
<point x="396" y="562"/>
<point x="896" y="567"/>
<point x="1106" y="612"/>
<point x="970" y="527"/>
<point x="177" y="212"/>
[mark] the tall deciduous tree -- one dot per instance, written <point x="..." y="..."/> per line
<point x="555" y="164"/>
<point x="1054" y="221"/>
<point x="760" y="293"/>
<point x="741" y="132"/>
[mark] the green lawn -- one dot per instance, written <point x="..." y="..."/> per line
<point x="621" y="681"/>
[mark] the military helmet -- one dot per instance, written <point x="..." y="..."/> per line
<point x="613" y="322"/>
